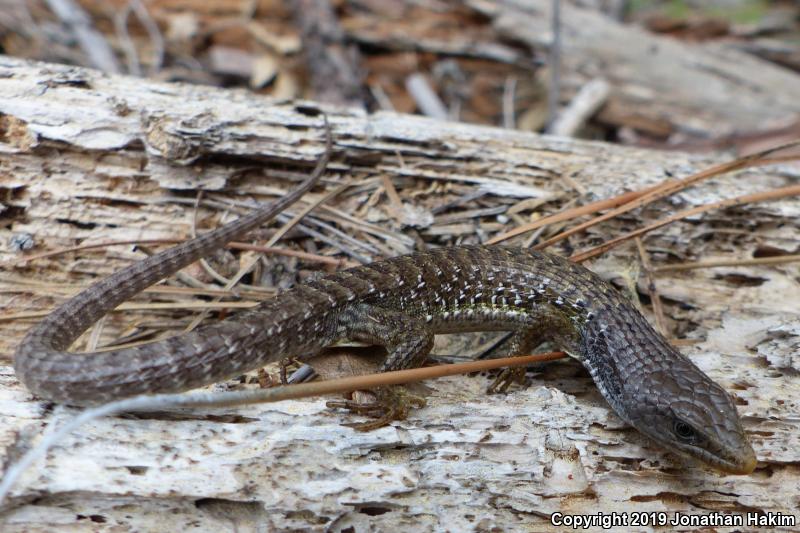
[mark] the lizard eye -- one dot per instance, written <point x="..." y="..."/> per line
<point x="685" y="432"/>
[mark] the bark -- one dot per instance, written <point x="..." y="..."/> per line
<point x="90" y="157"/>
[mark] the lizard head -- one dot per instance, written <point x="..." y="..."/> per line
<point x="662" y="393"/>
<point x="686" y="412"/>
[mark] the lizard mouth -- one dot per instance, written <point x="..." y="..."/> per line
<point x="743" y="467"/>
<point x="742" y="462"/>
<point x="736" y="457"/>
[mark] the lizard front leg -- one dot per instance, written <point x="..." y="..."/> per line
<point x="407" y="341"/>
<point x="522" y="342"/>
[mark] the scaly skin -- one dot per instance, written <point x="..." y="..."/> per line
<point x="400" y="303"/>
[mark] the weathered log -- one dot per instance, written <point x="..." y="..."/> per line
<point x="90" y="157"/>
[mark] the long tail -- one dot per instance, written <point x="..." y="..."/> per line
<point x="41" y="352"/>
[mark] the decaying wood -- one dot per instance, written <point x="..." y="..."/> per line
<point x="660" y="86"/>
<point x="586" y="102"/>
<point x="86" y="157"/>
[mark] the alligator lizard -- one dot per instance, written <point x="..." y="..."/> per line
<point x="399" y="303"/>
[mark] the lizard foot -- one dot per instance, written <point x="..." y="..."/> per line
<point x="284" y="365"/>
<point x="390" y="403"/>
<point x="506" y="378"/>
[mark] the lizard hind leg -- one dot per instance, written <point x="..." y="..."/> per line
<point x="407" y="341"/>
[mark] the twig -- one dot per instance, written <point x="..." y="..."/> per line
<point x="150" y="26"/>
<point x="509" y="94"/>
<point x="554" y="94"/>
<point x="534" y="236"/>
<point x="380" y="96"/>
<point x="145" y="307"/>
<point x="574" y="212"/>
<point x="792" y="190"/>
<point x="125" y="41"/>
<point x="153" y="32"/>
<point x="22" y="284"/>
<point x="494" y="186"/>
<point x="305" y="229"/>
<point x="227" y="399"/>
<point x="655" y="298"/>
<point x="306" y="210"/>
<point x="94" y="335"/>
<point x="467" y="198"/>
<point x="306" y="256"/>
<point x="781" y="259"/>
<point x="210" y="270"/>
<point x="321" y="237"/>
<point x="428" y="102"/>
<point x="470" y="214"/>
<point x="582" y="107"/>
<point x="92" y="42"/>
<point x="181" y="276"/>
<point x="332" y="214"/>
<point x="672" y="186"/>
<point x="391" y="193"/>
<point x="339" y="233"/>
<point x="383" y="250"/>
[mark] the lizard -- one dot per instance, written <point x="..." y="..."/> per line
<point x="399" y="303"/>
